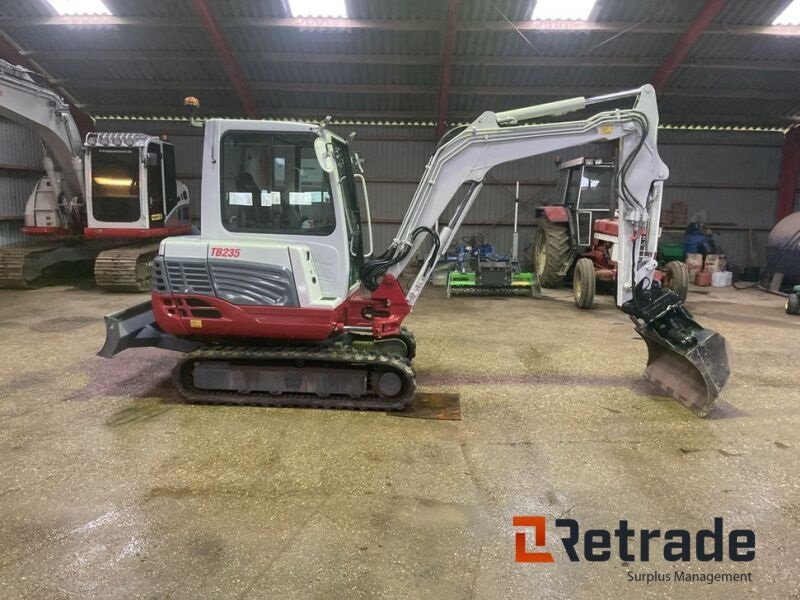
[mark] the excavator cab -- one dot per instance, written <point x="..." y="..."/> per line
<point x="131" y="187"/>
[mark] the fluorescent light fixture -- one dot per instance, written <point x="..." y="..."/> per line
<point x="790" y="15"/>
<point x="79" y="7"/>
<point x="332" y="9"/>
<point x="113" y="181"/>
<point x="562" y="10"/>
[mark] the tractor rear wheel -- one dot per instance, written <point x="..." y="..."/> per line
<point x="677" y="278"/>
<point x="793" y="304"/>
<point x="551" y="252"/>
<point x="583" y="283"/>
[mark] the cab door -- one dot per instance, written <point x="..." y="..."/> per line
<point x="156" y="209"/>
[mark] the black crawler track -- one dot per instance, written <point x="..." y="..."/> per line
<point x="125" y="269"/>
<point x="347" y="358"/>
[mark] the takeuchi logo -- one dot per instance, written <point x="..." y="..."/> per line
<point x="630" y="544"/>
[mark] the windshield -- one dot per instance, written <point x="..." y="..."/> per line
<point x="115" y="185"/>
<point x="273" y="183"/>
<point x="596" y="187"/>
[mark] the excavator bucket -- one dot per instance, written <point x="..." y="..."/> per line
<point x="685" y="360"/>
<point x="694" y="376"/>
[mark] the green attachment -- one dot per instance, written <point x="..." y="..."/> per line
<point x="456" y="279"/>
<point x="527" y="278"/>
<point x="522" y="284"/>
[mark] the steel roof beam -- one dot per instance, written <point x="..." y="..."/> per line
<point x="229" y="63"/>
<point x="689" y="38"/>
<point x="448" y="44"/>
<point x="344" y="88"/>
<point x="395" y="24"/>
<point x="406" y="59"/>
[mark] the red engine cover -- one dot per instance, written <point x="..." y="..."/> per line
<point x="185" y="314"/>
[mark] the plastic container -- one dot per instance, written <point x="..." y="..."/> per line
<point x="718" y="279"/>
<point x="694" y="262"/>
<point x="728" y="278"/>
<point x="716" y="262"/>
<point x="703" y="279"/>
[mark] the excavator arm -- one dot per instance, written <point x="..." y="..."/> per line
<point x="685" y="360"/>
<point x="44" y="112"/>
<point x="496" y="138"/>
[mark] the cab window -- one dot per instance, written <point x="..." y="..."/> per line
<point x="273" y="183"/>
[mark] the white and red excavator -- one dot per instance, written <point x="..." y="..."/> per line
<point x="109" y="199"/>
<point x="277" y="303"/>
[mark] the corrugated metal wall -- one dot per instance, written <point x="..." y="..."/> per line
<point x="730" y="175"/>
<point x="20" y="168"/>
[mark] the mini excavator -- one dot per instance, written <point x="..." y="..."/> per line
<point x="278" y="303"/>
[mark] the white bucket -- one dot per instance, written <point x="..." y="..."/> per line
<point x="718" y="279"/>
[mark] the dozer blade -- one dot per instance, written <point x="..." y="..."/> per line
<point x="694" y="377"/>
<point x="685" y="360"/>
<point x="135" y="327"/>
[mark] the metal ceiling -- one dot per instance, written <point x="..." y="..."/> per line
<point x="390" y="62"/>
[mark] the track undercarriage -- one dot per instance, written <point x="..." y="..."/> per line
<point x="117" y="268"/>
<point x="125" y="269"/>
<point x="352" y="371"/>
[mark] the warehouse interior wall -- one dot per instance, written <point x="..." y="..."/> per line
<point x="730" y="175"/>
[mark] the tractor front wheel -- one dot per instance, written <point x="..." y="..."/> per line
<point x="583" y="283"/>
<point x="551" y="252"/>
<point x="677" y="278"/>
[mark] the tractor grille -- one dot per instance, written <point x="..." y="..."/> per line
<point x="253" y="284"/>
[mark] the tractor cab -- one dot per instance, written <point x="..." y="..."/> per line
<point x="131" y="187"/>
<point x="585" y="190"/>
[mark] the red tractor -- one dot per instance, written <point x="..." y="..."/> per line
<point x="577" y="233"/>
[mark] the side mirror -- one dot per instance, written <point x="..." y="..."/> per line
<point x="358" y="162"/>
<point x="324" y="155"/>
<point x="153" y="159"/>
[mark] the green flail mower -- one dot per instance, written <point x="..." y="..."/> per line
<point x="793" y="301"/>
<point x="480" y="272"/>
<point x="493" y="278"/>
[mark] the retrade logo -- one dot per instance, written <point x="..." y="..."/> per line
<point x="538" y="524"/>
<point x="632" y="545"/>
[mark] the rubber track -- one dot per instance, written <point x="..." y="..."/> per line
<point x="337" y="356"/>
<point x="12" y="264"/>
<point x="117" y="270"/>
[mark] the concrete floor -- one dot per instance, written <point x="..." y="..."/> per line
<point x="111" y="487"/>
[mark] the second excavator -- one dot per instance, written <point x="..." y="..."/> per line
<point x="108" y="200"/>
<point x="278" y="303"/>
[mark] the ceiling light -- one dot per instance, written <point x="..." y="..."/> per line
<point x="79" y="7"/>
<point x="790" y="15"/>
<point x="333" y="9"/>
<point x="562" y="10"/>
